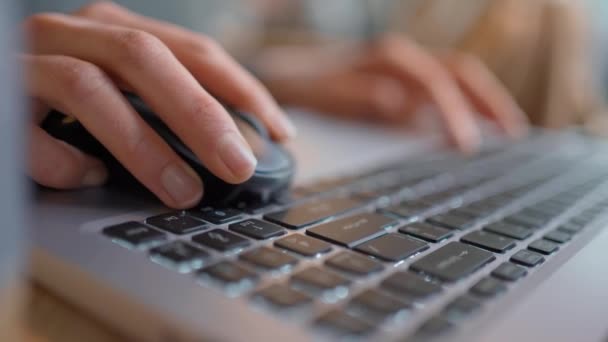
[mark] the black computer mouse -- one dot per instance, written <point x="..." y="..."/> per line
<point x="273" y="174"/>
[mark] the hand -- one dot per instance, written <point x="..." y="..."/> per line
<point x="389" y="80"/>
<point x="77" y="64"/>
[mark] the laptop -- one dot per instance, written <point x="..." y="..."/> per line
<point x="382" y="238"/>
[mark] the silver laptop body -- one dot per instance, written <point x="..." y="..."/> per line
<point x="562" y="298"/>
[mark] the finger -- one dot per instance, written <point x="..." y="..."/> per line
<point x="55" y="164"/>
<point x="150" y="68"/>
<point x="416" y="67"/>
<point x="360" y="95"/>
<point x="209" y="64"/>
<point x="82" y="90"/>
<point x="487" y="94"/>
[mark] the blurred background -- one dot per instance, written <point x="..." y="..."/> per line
<point x="551" y="55"/>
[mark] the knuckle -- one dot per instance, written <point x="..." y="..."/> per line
<point x="99" y="8"/>
<point x="80" y="79"/>
<point x="390" y="44"/>
<point x="137" y="46"/>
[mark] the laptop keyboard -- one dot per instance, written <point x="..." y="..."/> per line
<point x="386" y="249"/>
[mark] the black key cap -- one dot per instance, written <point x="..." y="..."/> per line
<point x="435" y="326"/>
<point x="426" y="231"/>
<point x="409" y="209"/>
<point x="268" y="258"/>
<point x="134" y="233"/>
<point x="493" y="242"/>
<point x="354" y="263"/>
<point x="179" y="253"/>
<point x="488" y="287"/>
<point x="453" y="261"/>
<point x="216" y="215"/>
<point x="380" y="303"/>
<point x="344" y="323"/>
<point x="452" y="221"/>
<point x="543" y="246"/>
<point x="571" y="228"/>
<point x="257" y="229"/>
<point x="410" y="284"/>
<point x="392" y="247"/>
<point x="176" y="223"/>
<point x="303" y="244"/>
<point x="228" y="272"/>
<point x="509" y="271"/>
<point x="353" y="230"/>
<point x="509" y="230"/>
<point x="558" y="236"/>
<point x="319" y="278"/>
<point x="283" y="295"/>
<point x="527" y="258"/>
<point x="460" y="308"/>
<point x="221" y="240"/>
<point x="532" y="222"/>
<point x="308" y="213"/>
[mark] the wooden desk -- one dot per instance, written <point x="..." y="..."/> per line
<point x="49" y="318"/>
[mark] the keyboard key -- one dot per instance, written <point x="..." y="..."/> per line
<point x="180" y="252"/>
<point x="308" y="213"/>
<point x="571" y="228"/>
<point x="134" y="233"/>
<point x="283" y="295"/>
<point x="543" y="246"/>
<point x="410" y="284"/>
<point x="532" y="222"/>
<point x="392" y="247"/>
<point x="434" y="326"/>
<point x="216" y="216"/>
<point x="303" y="244"/>
<point x="228" y="272"/>
<point x="176" y="223"/>
<point x="268" y="258"/>
<point x="380" y="303"/>
<point x="344" y="323"/>
<point x="320" y="278"/>
<point x="221" y="240"/>
<point x="460" y="308"/>
<point x="426" y="231"/>
<point x="493" y="242"/>
<point x="453" y="261"/>
<point x="350" y="231"/>
<point x="509" y="230"/>
<point x="509" y="271"/>
<point x="257" y="229"/>
<point x="558" y="236"/>
<point x="488" y="287"/>
<point x="354" y="263"/>
<point x="527" y="258"/>
<point x="452" y="221"/>
<point x="408" y="209"/>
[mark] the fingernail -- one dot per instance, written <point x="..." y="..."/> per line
<point x="95" y="176"/>
<point x="182" y="184"/>
<point x="237" y="155"/>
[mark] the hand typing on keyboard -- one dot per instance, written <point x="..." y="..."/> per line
<point x="389" y="80"/>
